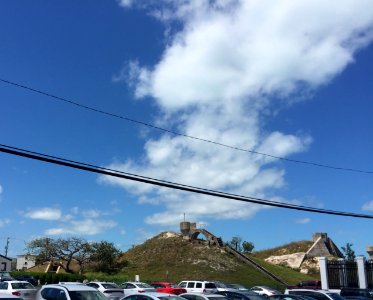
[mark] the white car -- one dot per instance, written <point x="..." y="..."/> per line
<point x="264" y="290"/>
<point x="21" y="289"/>
<point x="152" y="296"/>
<point x="195" y="286"/>
<point x="68" y="291"/>
<point x="134" y="287"/>
<point x="9" y="297"/>
<point x="109" y="289"/>
<point x="316" y="294"/>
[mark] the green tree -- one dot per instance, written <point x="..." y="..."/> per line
<point x="349" y="254"/>
<point x="248" y="247"/>
<point x="235" y="243"/>
<point x="106" y="257"/>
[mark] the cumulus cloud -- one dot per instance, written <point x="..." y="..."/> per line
<point x="84" y="227"/>
<point x="218" y="78"/>
<point x="303" y="221"/>
<point x="368" y="206"/>
<point x="1" y="189"/>
<point x="4" y="222"/>
<point x="46" y="213"/>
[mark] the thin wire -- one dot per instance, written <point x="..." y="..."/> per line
<point x="167" y="184"/>
<point x="181" y="134"/>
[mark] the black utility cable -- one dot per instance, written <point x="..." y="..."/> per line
<point x="167" y="184"/>
<point x="181" y="134"/>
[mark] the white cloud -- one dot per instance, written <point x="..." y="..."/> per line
<point x="303" y="221"/>
<point x="92" y="213"/>
<point x="125" y="3"/>
<point x="368" y="206"/>
<point x="1" y="189"/>
<point x="84" y="227"/>
<point x="46" y="213"/>
<point x="4" y="222"/>
<point x="218" y="79"/>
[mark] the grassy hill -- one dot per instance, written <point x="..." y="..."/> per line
<point x="290" y="248"/>
<point x="166" y="257"/>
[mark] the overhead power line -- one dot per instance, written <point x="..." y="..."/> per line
<point x="168" y="184"/>
<point x="315" y="164"/>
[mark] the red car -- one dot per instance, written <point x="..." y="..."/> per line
<point x="168" y="287"/>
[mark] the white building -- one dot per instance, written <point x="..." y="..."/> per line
<point x="25" y="262"/>
<point x="5" y="263"/>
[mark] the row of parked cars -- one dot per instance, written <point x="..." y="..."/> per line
<point x="185" y="290"/>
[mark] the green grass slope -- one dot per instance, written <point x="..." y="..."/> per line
<point x="176" y="259"/>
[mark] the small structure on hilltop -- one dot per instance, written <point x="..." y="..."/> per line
<point x="322" y="246"/>
<point x="370" y="251"/>
<point x="191" y="232"/>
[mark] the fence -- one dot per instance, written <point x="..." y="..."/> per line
<point x="336" y="274"/>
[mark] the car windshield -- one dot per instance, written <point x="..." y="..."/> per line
<point x="216" y="298"/>
<point x="21" y="285"/>
<point x="173" y="285"/>
<point x="86" y="295"/>
<point x="110" y="286"/>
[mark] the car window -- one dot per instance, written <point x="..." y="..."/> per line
<point x="199" y="298"/>
<point x="86" y="295"/>
<point x="94" y="285"/>
<point x="109" y="286"/>
<point x="189" y="297"/>
<point x="21" y="285"/>
<point x="210" y="285"/>
<point x="143" y="297"/>
<point x="198" y="285"/>
<point x="129" y="286"/>
<point x="3" y="285"/>
<point x="190" y="285"/>
<point x="144" y="285"/>
<point x="182" y="284"/>
<point x="131" y="297"/>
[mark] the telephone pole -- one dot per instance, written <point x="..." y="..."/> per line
<point x="7" y="246"/>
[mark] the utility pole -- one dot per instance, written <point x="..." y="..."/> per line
<point x="7" y="246"/>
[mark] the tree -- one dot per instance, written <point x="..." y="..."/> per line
<point x="44" y="249"/>
<point x="248" y="247"/>
<point x="106" y="257"/>
<point x="349" y="254"/>
<point x="236" y="243"/>
<point x="66" y="250"/>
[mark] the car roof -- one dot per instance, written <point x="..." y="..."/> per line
<point x="71" y="286"/>
<point x="17" y="281"/>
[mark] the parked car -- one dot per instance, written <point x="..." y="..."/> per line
<point x="28" y="278"/>
<point x="21" y="289"/>
<point x="132" y="287"/>
<point x="264" y="290"/>
<point x="68" y="292"/>
<point x="9" y="297"/>
<point x="5" y="276"/>
<point x="316" y="294"/>
<point x="195" y="286"/>
<point x="356" y="294"/>
<point x="307" y="284"/>
<point x="289" y="297"/>
<point x="168" y="287"/>
<point x="199" y="296"/>
<point x="220" y="286"/>
<point x="109" y="289"/>
<point x="237" y="286"/>
<point x="241" y="295"/>
<point x="152" y="296"/>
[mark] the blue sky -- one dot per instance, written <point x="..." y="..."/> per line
<point x="283" y="78"/>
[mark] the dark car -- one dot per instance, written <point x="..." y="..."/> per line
<point x="5" y="276"/>
<point x="28" y="278"/>
<point x="241" y="295"/>
<point x="357" y="294"/>
<point x="290" y="297"/>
